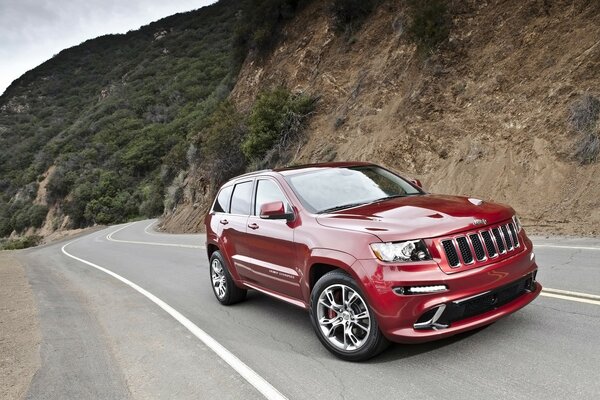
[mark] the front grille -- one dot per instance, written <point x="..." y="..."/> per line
<point x="479" y="246"/>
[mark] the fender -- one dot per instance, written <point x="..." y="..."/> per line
<point x="335" y="258"/>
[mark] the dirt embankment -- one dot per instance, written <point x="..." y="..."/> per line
<point x="19" y="330"/>
<point x="485" y="116"/>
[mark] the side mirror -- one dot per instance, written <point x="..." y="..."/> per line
<point x="275" y="210"/>
<point x="416" y="182"/>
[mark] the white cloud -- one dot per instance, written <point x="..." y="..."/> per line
<point x="32" y="31"/>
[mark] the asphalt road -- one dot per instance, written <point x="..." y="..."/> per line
<point x="103" y="339"/>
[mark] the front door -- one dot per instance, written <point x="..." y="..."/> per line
<point x="272" y="256"/>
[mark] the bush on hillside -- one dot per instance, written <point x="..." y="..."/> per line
<point x="348" y="15"/>
<point x="258" y="25"/>
<point x="37" y="215"/>
<point x="21" y="243"/>
<point x="430" y="24"/>
<point x="220" y="142"/>
<point x="277" y="119"/>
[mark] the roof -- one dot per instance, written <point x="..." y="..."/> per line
<point x="338" y="164"/>
<point x="297" y="168"/>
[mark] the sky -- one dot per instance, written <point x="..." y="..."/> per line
<point x="32" y="31"/>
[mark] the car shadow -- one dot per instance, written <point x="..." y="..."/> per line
<point x="298" y="320"/>
<point x="398" y="351"/>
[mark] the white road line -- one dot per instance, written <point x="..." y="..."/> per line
<point x="570" y="298"/>
<point x="154" y="233"/>
<point x="572" y="294"/>
<point x="239" y="366"/>
<point x="110" y="238"/>
<point x="560" y="246"/>
<point x="148" y="227"/>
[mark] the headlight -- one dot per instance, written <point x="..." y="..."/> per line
<point x="517" y="223"/>
<point x="412" y="250"/>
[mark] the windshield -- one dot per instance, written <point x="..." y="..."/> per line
<point x="332" y="189"/>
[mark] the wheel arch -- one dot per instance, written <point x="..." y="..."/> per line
<point x="210" y="249"/>
<point x="323" y="261"/>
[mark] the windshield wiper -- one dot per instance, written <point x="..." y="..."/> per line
<point x="395" y="197"/>
<point x="343" y="206"/>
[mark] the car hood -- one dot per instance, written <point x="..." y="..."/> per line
<point x="417" y="217"/>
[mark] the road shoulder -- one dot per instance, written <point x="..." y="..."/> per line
<point x="19" y="329"/>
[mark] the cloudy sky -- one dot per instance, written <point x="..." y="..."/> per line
<point x="32" y="31"/>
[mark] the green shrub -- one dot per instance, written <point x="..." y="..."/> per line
<point x="277" y="118"/>
<point x="37" y="215"/>
<point x="430" y="23"/>
<point x="152" y="204"/>
<point x="258" y="25"/>
<point x="20" y="220"/>
<point x="220" y="154"/>
<point x="348" y="15"/>
<point x="21" y="243"/>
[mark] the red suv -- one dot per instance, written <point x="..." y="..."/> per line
<point x="370" y="254"/>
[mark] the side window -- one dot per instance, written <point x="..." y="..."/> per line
<point x="242" y="196"/>
<point x="222" y="201"/>
<point x="267" y="191"/>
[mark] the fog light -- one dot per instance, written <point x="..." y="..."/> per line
<point x="427" y="289"/>
<point x="401" y="290"/>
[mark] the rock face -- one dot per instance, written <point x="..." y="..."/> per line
<point x="486" y="115"/>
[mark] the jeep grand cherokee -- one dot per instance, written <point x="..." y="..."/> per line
<point x="372" y="256"/>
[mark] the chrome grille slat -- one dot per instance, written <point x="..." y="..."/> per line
<point x="507" y="238"/>
<point x="515" y="237"/>
<point x="476" y="247"/>
<point x="499" y="242"/>
<point x="489" y="244"/>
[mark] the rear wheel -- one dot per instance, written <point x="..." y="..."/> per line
<point x="223" y="285"/>
<point x="343" y="320"/>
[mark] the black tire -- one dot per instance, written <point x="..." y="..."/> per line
<point x="372" y="343"/>
<point x="230" y="293"/>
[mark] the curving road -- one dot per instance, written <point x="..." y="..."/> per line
<point x="127" y="312"/>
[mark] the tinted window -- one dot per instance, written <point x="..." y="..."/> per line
<point x="242" y="195"/>
<point x="267" y="191"/>
<point x="222" y="201"/>
<point x="327" y="189"/>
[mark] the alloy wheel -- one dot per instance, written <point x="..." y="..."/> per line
<point x="219" y="280"/>
<point x="343" y="317"/>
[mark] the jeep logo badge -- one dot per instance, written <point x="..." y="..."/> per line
<point x="479" y="222"/>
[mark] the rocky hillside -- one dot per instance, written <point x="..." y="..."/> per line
<point x="485" y="113"/>
<point x="496" y="99"/>
<point x="102" y="132"/>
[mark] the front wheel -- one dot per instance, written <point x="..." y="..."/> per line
<point x="343" y="320"/>
<point x="224" y="287"/>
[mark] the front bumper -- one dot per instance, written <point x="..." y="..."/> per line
<point x="462" y="304"/>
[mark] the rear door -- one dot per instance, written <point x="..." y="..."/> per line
<point x="234" y="226"/>
<point x="219" y="212"/>
<point x="271" y="257"/>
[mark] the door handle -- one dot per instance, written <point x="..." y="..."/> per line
<point x="224" y="222"/>
<point x="253" y="226"/>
